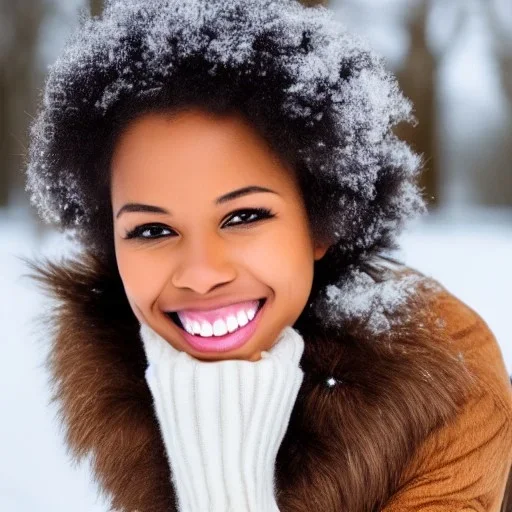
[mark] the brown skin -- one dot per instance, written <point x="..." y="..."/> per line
<point x="204" y="255"/>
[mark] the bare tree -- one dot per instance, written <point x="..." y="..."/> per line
<point x="96" y="7"/>
<point x="502" y="38"/>
<point x="21" y="22"/>
<point x="500" y="23"/>
<point x="312" y="3"/>
<point x="418" y="80"/>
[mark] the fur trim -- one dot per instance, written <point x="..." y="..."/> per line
<point x="366" y="403"/>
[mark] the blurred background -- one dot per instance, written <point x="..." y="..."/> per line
<point x="454" y="61"/>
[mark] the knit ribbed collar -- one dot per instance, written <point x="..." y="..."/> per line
<point x="289" y="345"/>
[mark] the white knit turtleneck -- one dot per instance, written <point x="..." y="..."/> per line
<point x="222" y="422"/>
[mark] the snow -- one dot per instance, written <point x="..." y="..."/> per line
<point x="35" y="473"/>
<point x="468" y="252"/>
<point x="361" y="296"/>
<point x="141" y="45"/>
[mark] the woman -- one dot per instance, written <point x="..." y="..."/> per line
<point x="234" y="334"/>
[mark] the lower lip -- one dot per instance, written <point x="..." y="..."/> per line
<point x="229" y="341"/>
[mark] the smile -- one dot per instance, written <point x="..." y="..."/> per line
<point x="219" y="331"/>
<point x="217" y="323"/>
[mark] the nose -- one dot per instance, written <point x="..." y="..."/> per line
<point x="203" y="265"/>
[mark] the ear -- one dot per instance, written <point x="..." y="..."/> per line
<point x="320" y="250"/>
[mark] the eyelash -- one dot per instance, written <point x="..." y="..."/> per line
<point x="263" y="213"/>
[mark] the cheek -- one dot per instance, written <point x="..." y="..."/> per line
<point x="285" y="263"/>
<point x="143" y="276"/>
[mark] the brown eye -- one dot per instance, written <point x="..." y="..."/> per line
<point x="148" y="232"/>
<point x="248" y="216"/>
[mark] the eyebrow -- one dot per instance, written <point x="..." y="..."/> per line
<point x="230" y="196"/>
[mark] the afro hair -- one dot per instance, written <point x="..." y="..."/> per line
<point x="320" y="96"/>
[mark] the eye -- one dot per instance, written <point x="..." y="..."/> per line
<point x="148" y="231"/>
<point x="248" y="216"/>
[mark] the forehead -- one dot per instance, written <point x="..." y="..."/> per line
<point x="193" y="148"/>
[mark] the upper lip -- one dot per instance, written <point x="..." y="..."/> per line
<point x="211" y="306"/>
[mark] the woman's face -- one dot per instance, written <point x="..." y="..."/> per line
<point x="208" y="224"/>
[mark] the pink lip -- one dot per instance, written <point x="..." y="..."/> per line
<point x="230" y="341"/>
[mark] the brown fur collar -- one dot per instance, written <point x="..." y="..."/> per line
<point x="346" y="445"/>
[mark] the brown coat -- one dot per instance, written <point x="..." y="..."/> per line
<point x="419" y="418"/>
<point x="464" y="465"/>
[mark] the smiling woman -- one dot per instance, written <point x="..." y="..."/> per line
<point x="242" y="336"/>
<point x="221" y="214"/>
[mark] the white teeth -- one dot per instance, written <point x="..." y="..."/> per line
<point x="219" y="327"/>
<point x="232" y="324"/>
<point x="242" y="318"/>
<point x="206" y="329"/>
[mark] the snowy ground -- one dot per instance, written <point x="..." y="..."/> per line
<point x="469" y="253"/>
<point x="35" y="473"/>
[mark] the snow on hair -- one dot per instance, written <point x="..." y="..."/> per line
<point x="320" y="96"/>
